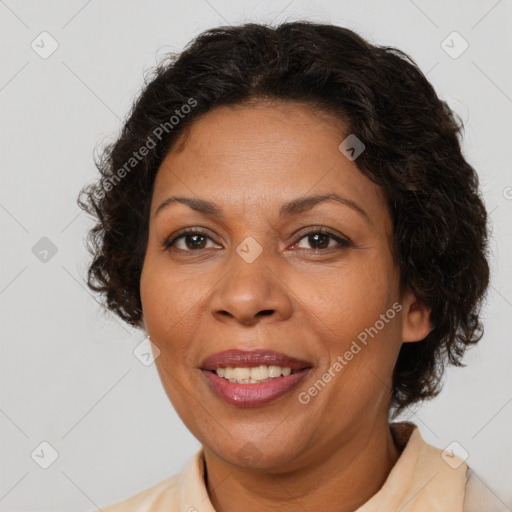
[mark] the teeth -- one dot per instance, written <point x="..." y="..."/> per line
<point x="262" y="373"/>
<point x="274" y="371"/>
<point x="253" y="375"/>
<point x="241" y="373"/>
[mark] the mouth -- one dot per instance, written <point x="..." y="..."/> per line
<point x="252" y="378"/>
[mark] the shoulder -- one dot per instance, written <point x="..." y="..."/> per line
<point x="480" y="496"/>
<point x="475" y="494"/>
<point x="164" y="494"/>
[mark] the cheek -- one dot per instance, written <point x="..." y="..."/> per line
<point x="163" y="304"/>
<point x="157" y="301"/>
<point x="172" y="303"/>
<point x="165" y="296"/>
<point x="165" y="309"/>
<point x="347" y="314"/>
<point x="349" y="299"/>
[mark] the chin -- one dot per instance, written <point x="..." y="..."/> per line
<point x="254" y="454"/>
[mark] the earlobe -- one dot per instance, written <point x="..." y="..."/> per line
<point x="416" y="323"/>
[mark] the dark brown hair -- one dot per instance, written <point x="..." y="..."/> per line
<point x="412" y="151"/>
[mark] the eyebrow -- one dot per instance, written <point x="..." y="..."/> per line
<point x="293" y="207"/>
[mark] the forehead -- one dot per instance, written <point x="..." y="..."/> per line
<point x="264" y="153"/>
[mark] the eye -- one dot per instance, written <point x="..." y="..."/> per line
<point x="193" y="240"/>
<point x="319" y="239"/>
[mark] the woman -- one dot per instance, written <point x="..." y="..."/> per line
<point x="287" y="214"/>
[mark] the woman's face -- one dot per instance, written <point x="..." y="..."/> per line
<point x="258" y="279"/>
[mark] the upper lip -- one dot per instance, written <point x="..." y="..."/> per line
<point x="249" y="359"/>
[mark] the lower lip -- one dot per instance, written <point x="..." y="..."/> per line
<point x="252" y="395"/>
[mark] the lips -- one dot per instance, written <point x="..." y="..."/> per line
<point x="250" y="359"/>
<point x="254" y="394"/>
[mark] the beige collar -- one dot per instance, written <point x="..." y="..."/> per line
<point x="421" y="479"/>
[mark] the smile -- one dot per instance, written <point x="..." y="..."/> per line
<point x="252" y="378"/>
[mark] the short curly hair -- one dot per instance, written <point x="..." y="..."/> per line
<point x="412" y="151"/>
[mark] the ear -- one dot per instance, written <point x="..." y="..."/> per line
<point x="415" y="319"/>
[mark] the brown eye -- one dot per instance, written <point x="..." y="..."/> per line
<point x="189" y="241"/>
<point x="320" y="240"/>
<point x="194" y="241"/>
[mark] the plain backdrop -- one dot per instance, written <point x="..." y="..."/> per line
<point x="69" y="377"/>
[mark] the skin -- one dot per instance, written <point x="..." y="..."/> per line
<point x="307" y="299"/>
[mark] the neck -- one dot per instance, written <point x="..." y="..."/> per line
<point x="338" y="479"/>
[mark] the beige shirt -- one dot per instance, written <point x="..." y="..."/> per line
<point x="424" y="479"/>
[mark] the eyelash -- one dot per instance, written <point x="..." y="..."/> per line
<point x="344" y="243"/>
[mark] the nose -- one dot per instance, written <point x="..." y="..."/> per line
<point x="251" y="292"/>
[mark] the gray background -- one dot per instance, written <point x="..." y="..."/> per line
<point x="68" y="373"/>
